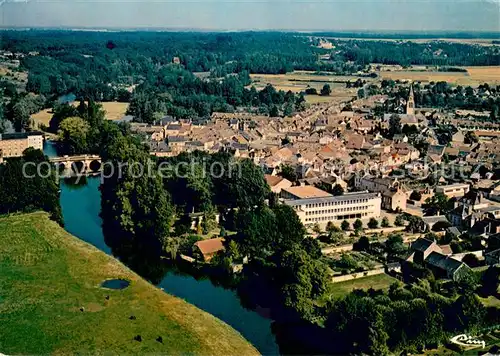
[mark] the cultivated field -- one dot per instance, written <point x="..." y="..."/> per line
<point x="470" y="41"/>
<point x="299" y="81"/>
<point x="52" y="302"/>
<point x="114" y="111"/>
<point x="474" y="76"/>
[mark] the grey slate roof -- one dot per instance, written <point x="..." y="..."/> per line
<point x="443" y="262"/>
<point x="349" y="196"/>
<point x="421" y="244"/>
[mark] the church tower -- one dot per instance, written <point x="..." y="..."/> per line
<point x="410" y="104"/>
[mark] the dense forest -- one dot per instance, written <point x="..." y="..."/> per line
<point x="28" y="184"/>
<point x="70" y="61"/>
<point x="191" y="75"/>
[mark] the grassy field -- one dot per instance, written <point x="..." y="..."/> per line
<point x="474" y="76"/>
<point x="47" y="275"/>
<point x="114" y="111"/>
<point x="380" y="281"/>
<point x="298" y="81"/>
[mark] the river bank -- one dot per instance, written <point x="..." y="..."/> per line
<point x="81" y="206"/>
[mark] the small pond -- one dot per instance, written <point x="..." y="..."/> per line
<point x="115" y="284"/>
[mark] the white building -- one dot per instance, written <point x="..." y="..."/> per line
<point x="350" y="206"/>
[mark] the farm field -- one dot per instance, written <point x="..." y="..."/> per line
<point x="379" y="281"/>
<point x="474" y="76"/>
<point x="52" y="301"/>
<point x="473" y="41"/>
<point x="114" y="111"/>
<point x="298" y="81"/>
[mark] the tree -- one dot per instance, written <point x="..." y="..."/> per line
<point x="331" y="227"/>
<point x="241" y="183"/>
<point x="21" y="116"/>
<point x="373" y="223"/>
<point x="363" y="244"/>
<point x="490" y="281"/>
<point x="136" y="208"/>
<point x="288" y="172"/>
<point x="27" y="188"/>
<point x="470" y="137"/>
<point x="316" y="228"/>
<point x="274" y="112"/>
<point x="436" y="205"/>
<point x="312" y="247"/>
<point x="395" y="245"/>
<point x="469" y="311"/>
<point x="394" y="125"/>
<point x="345" y="225"/>
<point x="385" y="222"/>
<point x="337" y="190"/>
<point x="326" y="90"/>
<point x="61" y="112"/>
<point x="400" y="221"/>
<point x="358" y="225"/>
<point x="416" y="195"/>
<point x="73" y="135"/>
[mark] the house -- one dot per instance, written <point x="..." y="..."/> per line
<point x="436" y="222"/>
<point x="394" y="200"/>
<point x="209" y="248"/>
<point x="453" y="190"/>
<point x="429" y="254"/>
<point x="446" y="267"/>
<point x="277" y="183"/>
<point x="422" y="248"/>
<point x="492" y="258"/>
<point x="458" y="137"/>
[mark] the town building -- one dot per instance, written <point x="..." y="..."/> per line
<point x="277" y="183"/>
<point x="453" y="190"/>
<point x="393" y="198"/>
<point x="437" y="258"/>
<point x="350" y="206"/>
<point x="14" y="144"/>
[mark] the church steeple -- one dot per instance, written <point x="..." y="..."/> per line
<point x="410" y="104"/>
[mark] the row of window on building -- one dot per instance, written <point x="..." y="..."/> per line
<point x="336" y="202"/>
<point x="338" y="217"/>
<point x="338" y="210"/>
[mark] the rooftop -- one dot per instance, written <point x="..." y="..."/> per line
<point x="307" y="192"/>
<point x="329" y="199"/>
<point x="19" y="135"/>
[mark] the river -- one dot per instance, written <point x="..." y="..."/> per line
<point x="81" y="207"/>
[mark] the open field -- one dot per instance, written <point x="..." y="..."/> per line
<point x="471" y="41"/>
<point x="380" y="281"/>
<point x="114" y="111"/>
<point x="299" y="81"/>
<point x="47" y="276"/>
<point x="473" y="77"/>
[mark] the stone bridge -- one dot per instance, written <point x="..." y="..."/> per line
<point x="77" y="165"/>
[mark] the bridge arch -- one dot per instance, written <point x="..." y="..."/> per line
<point x="94" y="165"/>
<point x="78" y="167"/>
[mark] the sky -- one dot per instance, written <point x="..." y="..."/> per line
<point x="396" y="15"/>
